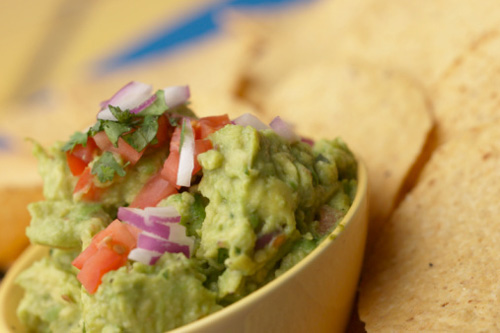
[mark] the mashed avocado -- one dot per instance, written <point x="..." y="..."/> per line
<point x="259" y="204"/>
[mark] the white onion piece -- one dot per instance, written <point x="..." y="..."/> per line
<point x="284" y="129"/>
<point x="129" y="97"/>
<point x="248" y="119"/>
<point x="186" y="157"/>
<point x="147" y="257"/>
<point x="176" y="95"/>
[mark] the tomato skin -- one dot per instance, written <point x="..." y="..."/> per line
<point x="207" y="125"/>
<point x="108" y="251"/>
<point x="171" y="167"/>
<point x="80" y="156"/>
<point x="164" y="132"/>
<point x="124" y="149"/>
<point x="76" y="165"/>
<point x="103" y="261"/>
<point x="85" y="186"/>
<point x="200" y="146"/>
<point x="155" y="190"/>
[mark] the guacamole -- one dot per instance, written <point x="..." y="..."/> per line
<point x="156" y="218"/>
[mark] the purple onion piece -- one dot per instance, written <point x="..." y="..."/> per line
<point x="161" y="219"/>
<point x="151" y="243"/>
<point x="284" y="129"/>
<point x="131" y="96"/>
<point x="263" y="240"/>
<point x="248" y="119"/>
<point x="138" y="218"/>
<point x="310" y="142"/>
<point x="144" y="105"/>
<point x="168" y="212"/>
<point x="144" y="256"/>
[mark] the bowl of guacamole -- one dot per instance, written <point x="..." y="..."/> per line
<point x="155" y="219"/>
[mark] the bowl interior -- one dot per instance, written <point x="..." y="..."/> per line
<point x="318" y="291"/>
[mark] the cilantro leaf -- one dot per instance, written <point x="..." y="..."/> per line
<point x="145" y="133"/>
<point x="174" y="121"/>
<point x="122" y="116"/>
<point x="78" y="138"/>
<point x="106" y="166"/>
<point x="158" y="107"/>
<point x="98" y="126"/>
<point x="114" y="130"/>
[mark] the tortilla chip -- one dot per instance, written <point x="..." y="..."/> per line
<point x="435" y="267"/>
<point x="381" y="114"/>
<point x="421" y="38"/>
<point x="468" y="95"/>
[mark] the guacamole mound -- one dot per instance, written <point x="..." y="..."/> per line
<point x="258" y="206"/>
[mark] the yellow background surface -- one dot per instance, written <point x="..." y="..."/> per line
<point x="50" y="43"/>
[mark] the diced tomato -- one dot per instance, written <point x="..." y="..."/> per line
<point x="176" y="139"/>
<point x="207" y="125"/>
<point x="116" y="232"/>
<point x="200" y="146"/>
<point x="76" y="165"/>
<point x="80" y="156"/>
<point x="164" y="131"/>
<point x="84" y="256"/>
<point x="102" y="262"/>
<point x="124" y="149"/>
<point x="86" y="187"/>
<point x="171" y="167"/>
<point x="108" y="251"/>
<point x="155" y="190"/>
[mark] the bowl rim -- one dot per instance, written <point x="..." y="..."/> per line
<point x="361" y="193"/>
<point x="35" y="252"/>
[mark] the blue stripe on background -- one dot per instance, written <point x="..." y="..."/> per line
<point x="194" y="27"/>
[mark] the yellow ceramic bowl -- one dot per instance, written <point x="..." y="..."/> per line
<point x="316" y="295"/>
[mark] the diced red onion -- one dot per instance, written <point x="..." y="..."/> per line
<point x="186" y="157"/>
<point x="149" y="242"/>
<point x="163" y="214"/>
<point x="144" y="105"/>
<point x="284" y="129"/>
<point x="247" y="119"/>
<point x="147" y="257"/>
<point x="176" y="95"/>
<point x="328" y="218"/>
<point x="310" y="142"/>
<point x="139" y="218"/>
<point x="131" y="96"/>
<point x="264" y="240"/>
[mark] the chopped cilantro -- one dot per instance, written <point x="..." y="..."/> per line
<point x="222" y="255"/>
<point x="322" y="158"/>
<point x="78" y="138"/>
<point x="122" y="116"/>
<point x="144" y="134"/>
<point x="174" y="121"/>
<point x="114" y="130"/>
<point x="158" y="107"/>
<point x="98" y="126"/>
<point x="106" y="166"/>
